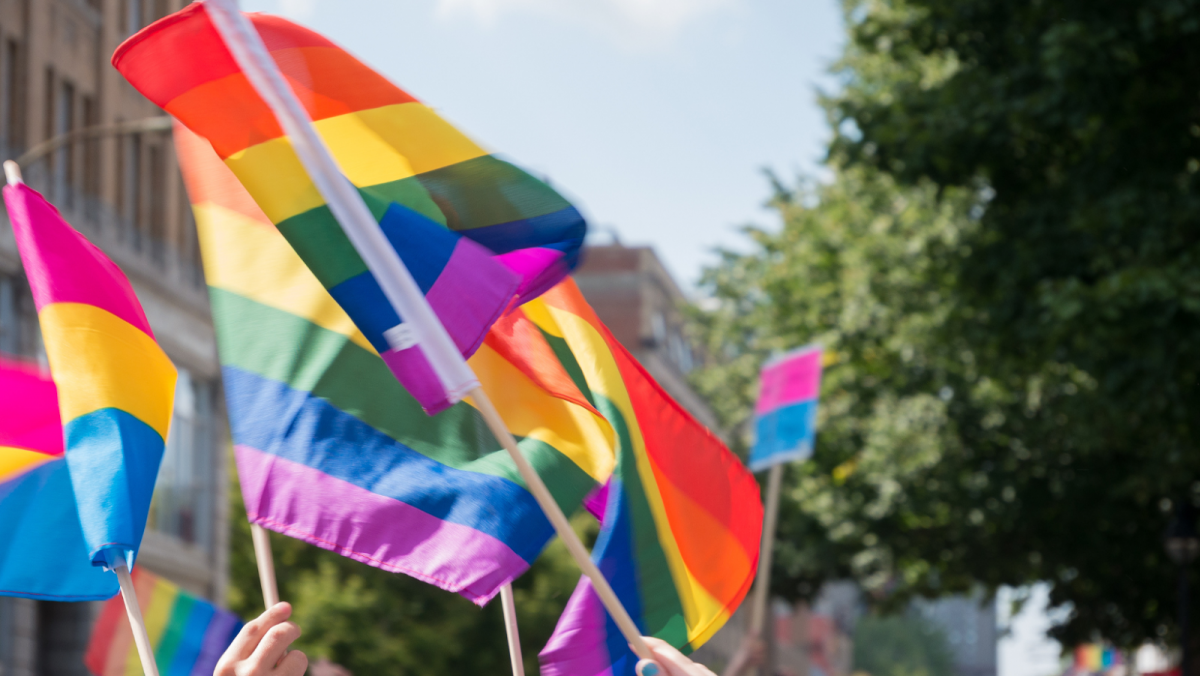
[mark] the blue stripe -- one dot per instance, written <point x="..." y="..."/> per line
<point x="371" y="311"/>
<point x="114" y="459"/>
<point x="273" y="418"/>
<point x="615" y="557"/>
<point x="561" y="230"/>
<point x="784" y="435"/>
<point x="424" y="245"/>
<point x="40" y="533"/>
<point x="188" y="650"/>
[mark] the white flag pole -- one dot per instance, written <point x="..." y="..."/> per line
<point x="266" y="564"/>
<point x="141" y="638"/>
<point x="508" y="605"/>
<point x="394" y="279"/>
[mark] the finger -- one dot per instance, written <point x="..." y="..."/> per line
<point x="273" y="646"/>
<point x="252" y="632"/>
<point x="647" y="668"/>
<point x="294" y="663"/>
<point x="672" y="660"/>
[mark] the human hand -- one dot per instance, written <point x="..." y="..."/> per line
<point x="669" y="662"/>
<point x="261" y="647"/>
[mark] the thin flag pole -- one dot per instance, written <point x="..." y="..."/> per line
<point x="509" y="607"/>
<point x="762" y="585"/>
<point x="266" y="564"/>
<point x="141" y="637"/>
<point x="347" y="206"/>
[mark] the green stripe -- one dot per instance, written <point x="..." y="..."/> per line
<point x="169" y="642"/>
<point x="285" y="348"/>
<point x="567" y="358"/>
<point x="662" y="610"/>
<point x="471" y="194"/>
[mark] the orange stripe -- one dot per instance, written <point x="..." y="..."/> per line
<point x="519" y="342"/>
<point x="328" y="81"/>
<point x="208" y="179"/>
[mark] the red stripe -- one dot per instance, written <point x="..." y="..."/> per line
<point x="181" y="64"/>
<point x="103" y="634"/>
<point x="515" y="338"/>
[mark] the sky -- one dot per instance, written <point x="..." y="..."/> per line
<point x="656" y="117"/>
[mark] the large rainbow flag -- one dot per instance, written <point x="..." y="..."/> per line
<point x="681" y="517"/>
<point x="332" y="450"/>
<point x="116" y="387"/>
<point x="187" y="633"/>
<point x="40" y="530"/>
<point x="418" y="174"/>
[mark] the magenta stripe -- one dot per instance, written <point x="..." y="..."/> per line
<point x="306" y="504"/>
<point x="579" y="650"/>
<point x="533" y="266"/>
<point x="790" y="380"/>
<point x="62" y="265"/>
<point x="29" y="415"/>
<point x="417" y="376"/>
<point x="467" y="304"/>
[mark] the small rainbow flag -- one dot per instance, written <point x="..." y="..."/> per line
<point x="785" y="417"/>
<point x="445" y="203"/>
<point x="40" y="531"/>
<point x="188" y="633"/>
<point x="116" y="387"/>
<point x="681" y="517"/>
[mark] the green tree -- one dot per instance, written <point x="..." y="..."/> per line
<point x="1003" y="270"/>
<point x="900" y="645"/>
<point x="375" y="622"/>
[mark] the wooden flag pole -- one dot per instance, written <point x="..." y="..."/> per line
<point x="396" y="282"/>
<point x="510" y="628"/>
<point x="758" y="611"/>
<point x="266" y="564"/>
<point x="141" y="637"/>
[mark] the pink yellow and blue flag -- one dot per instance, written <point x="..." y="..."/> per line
<point x="40" y="530"/>
<point x="187" y="633"/>
<point x="785" y="417"/>
<point x="116" y="387"/>
<point x="477" y="233"/>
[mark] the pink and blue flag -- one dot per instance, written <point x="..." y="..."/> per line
<point x="40" y="530"/>
<point x="116" y="387"/>
<point x="785" y="417"/>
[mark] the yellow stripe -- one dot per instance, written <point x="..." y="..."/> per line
<point x="156" y="611"/>
<point x="100" y="361"/>
<point x="245" y="257"/>
<point x="374" y="146"/>
<point x="530" y="411"/>
<point x="603" y="377"/>
<point x="16" y="461"/>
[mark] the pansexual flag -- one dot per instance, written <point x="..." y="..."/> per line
<point x="785" y="417"/>
<point x="332" y="450"/>
<point x="188" y="634"/>
<point x="116" y="387"/>
<point x="681" y="517"/>
<point x="419" y="175"/>
<point x="40" y="530"/>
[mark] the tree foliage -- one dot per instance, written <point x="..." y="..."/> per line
<point x="1004" y="269"/>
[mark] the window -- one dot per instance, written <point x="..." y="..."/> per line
<point x="183" y="497"/>
<point x="12" y="96"/>
<point x="156" y="225"/>
<point x="65" y="167"/>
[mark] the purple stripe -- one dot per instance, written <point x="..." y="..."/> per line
<point x="217" y="638"/>
<point x="304" y="503"/>
<point x="466" y="304"/>
<point x="535" y="265"/>
<point x="417" y="376"/>
<point x="579" y="650"/>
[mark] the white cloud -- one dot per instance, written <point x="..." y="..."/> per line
<point x="655" y="19"/>
<point x="298" y="9"/>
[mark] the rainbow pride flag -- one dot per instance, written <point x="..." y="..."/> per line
<point x="116" y="387"/>
<point x="681" y="517"/>
<point x="332" y="450"/>
<point x="188" y="633"/>
<point x="444" y="202"/>
<point x="40" y="530"/>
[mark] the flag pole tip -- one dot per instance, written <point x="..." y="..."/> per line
<point x="12" y="172"/>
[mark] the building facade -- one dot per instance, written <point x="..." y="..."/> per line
<point x="123" y="192"/>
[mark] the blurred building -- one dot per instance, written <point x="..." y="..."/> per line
<point x="970" y="627"/>
<point x="639" y="301"/>
<point x="124" y="193"/>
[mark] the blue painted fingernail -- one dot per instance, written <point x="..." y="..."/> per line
<point x="649" y="669"/>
